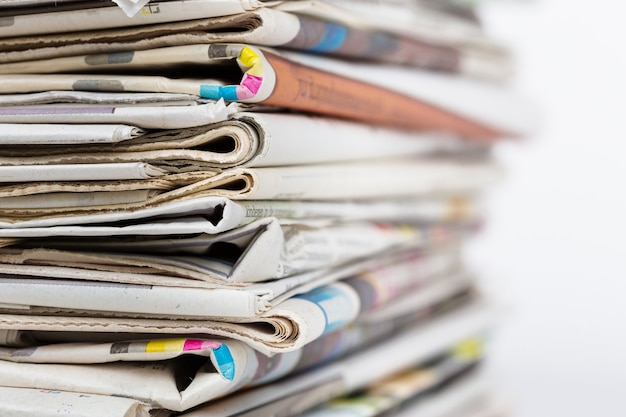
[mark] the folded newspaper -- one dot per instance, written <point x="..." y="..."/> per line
<point x="80" y="134"/>
<point x="173" y="298"/>
<point x="391" y="96"/>
<point x="33" y="190"/>
<point x="295" y="394"/>
<point x="411" y="386"/>
<point x="217" y="214"/>
<point x="19" y="402"/>
<point x="417" y="19"/>
<point x="193" y="223"/>
<point x="305" y="25"/>
<point x="262" y="250"/>
<point x="287" y="325"/>
<point x="191" y="372"/>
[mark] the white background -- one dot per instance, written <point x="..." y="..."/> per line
<point x="555" y="245"/>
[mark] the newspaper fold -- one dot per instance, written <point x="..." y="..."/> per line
<point x="387" y="178"/>
<point x="102" y="98"/>
<point x="288" y="325"/>
<point x="51" y="134"/>
<point x="465" y="394"/>
<point x="79" y="172"/>
<point x="468" y="396"/>
<point x="260" y="251"/>
<point x="76" y="17"/>
<point x="413" y="385"/>
<point x="218" y="304"/>
<point x="253" y="139"/>
<point x="421" y="18"/>
<point x="304" y="390"/>
<point x="308" y="26"/>
<point x="217" y="214"/>
<point x="19" y="402"/>
<point x="365" y="93"/>
<point x="147" y="117"/>
<point x="181" y="381"/>
<point x="417" y="19"/>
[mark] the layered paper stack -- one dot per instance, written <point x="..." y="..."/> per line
<point x="219" y="208"/>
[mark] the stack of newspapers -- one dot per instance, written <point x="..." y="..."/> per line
<point x="245" y="207"/>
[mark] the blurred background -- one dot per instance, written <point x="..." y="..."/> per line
<point x="553" y="250"/>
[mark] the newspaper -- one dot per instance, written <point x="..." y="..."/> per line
<point x="236" y="303"/>
<point x="414" y="385"/>
<point x="409" y="19"/>
<point x="466" y="397"/>
<point x="211" y="368"/>
<point x="435" y="296"/>
<point x="436" y="299"/>
<point x="217" y="214"/>
<point x="375" y="94"/>
<point x="463" y="398"/>
<point x="292" y="395"/>
<point x="302" y="25"/>
<point x="253" y="139"/>
<point x="102" y="98"/>
<point x="260" y="251"/>
<point x="177" y="302"/>
<point x="14" y="3"/>
<point x="354" y="337"/>
<point x="146" y="117"/>
<point x="289" y="325"/>
<point x="48" y="134"/>
<point x="20" y="402"/>
<point x="444" y="44"/>
<point x="412" y="20"/>
<point x="386" y="178"/>
<point x="79" y="172"/>
<point x="494" y="105"/>
<point x="103" y="298"/>
<point x="215" y="368"/>
<point x="70" y="19"/>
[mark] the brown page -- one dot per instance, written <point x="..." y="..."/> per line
<point x="309" y="89"/>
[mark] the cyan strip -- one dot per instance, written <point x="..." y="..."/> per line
<point x="331" y="302"/>
<point x="334" y="36"/>
<point x="225" y="362"/>
<point x="216" y="92"/>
